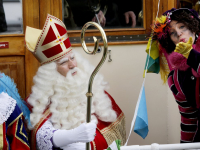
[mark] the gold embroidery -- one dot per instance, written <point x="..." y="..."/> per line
<point x="19" y="137"/>
<point x="1" y="136"/>
<point x="121" y="116"/>
<point x="15" y="119"/>
<point x="8" y="147"/>
<point x="94" y="145"/>
<point x="21" y="128"/>
<point x="115" y="131"/>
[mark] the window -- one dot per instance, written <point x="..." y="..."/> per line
<point x="111" y="15"/>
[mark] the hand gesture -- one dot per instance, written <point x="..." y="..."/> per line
<point x="184" y="48"/>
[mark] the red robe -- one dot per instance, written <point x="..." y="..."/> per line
<point x="106" y="132"/>
<point x="13" y="134"/>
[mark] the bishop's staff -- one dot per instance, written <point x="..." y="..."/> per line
<point x="96" y="41"/>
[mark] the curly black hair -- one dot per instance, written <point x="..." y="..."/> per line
<point x="190" y="22"/>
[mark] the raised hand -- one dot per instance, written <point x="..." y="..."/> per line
<point x="184" y="48"/>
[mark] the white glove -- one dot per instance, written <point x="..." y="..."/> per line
<point x="75" y="146"/>
<point x="83" y="133"/>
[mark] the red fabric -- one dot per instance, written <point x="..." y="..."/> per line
<point x="188" y="120"/>
<point x="92" y="146"/>
<point x="187" y="136"/>
<point x="16" y="144"/>
<point x="67" y="43"/>
<point x="186" y="110"/>
<point x="5" y="144"/>
<point x="52" y="51"/>
<point x="100" y="142"/>
<point x="49" y="37"/>
<point x="61" y="30"/>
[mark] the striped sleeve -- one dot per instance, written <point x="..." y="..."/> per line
<point x="188" y="121"/>
<point x="188" y="127"/>
<point x="188" y="114"/>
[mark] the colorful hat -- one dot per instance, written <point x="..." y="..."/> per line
<point x="170" y="13"/>
<point x="49" y="44"/>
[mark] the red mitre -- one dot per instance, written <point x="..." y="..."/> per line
<point x="49" y="44"/>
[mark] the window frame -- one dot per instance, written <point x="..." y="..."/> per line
<point x="119" y="31"/>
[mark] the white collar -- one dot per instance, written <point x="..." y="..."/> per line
<point x="7" y="106"/>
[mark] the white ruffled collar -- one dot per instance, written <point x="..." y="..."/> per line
<point x="7" y="106"/>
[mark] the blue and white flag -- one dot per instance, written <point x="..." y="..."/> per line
<point x="140" y="118"/>
<point x="141" y="122"/>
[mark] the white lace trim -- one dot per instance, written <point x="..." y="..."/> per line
<point x="7" y="106"/>
<point x="44" y="135"/>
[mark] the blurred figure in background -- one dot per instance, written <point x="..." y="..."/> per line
<point x="3" y="24"/>
<point x="110" y="13"/>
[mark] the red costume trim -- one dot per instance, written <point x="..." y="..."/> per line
<point x="17" y="143"/>
<point x="5" y="142"/>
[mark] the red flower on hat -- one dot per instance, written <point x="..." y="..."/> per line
<point x="160" y="27"/>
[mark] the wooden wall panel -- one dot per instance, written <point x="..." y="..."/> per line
<point x="149" y="16"/>
<point x="13" y="66"/>
<point x="172" y="4"/>
<point x="52" y="7"/>
<point x="31" y="18"/>
<point x="45" y="8"/>
<point x="16" y="45"/>
<point x="163" y="6"/>
<point x="57" y="9"/>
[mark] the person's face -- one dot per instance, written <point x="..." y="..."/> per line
<point x="65" y="64"/>
<point x="180" y="33"/>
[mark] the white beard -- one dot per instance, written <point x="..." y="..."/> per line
<point x="69" y="102"/>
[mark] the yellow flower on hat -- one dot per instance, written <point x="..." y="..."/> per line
<point x="162" y="19"/>
<point x="160" y="27"/>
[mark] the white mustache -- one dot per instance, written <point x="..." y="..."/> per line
<point x="71" y="71"/>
